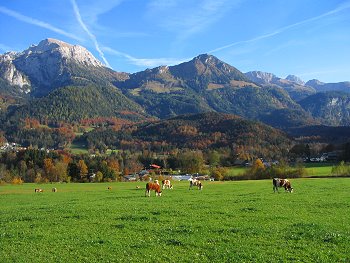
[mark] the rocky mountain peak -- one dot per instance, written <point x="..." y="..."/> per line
<point x="314" y="83"/>
<point x="57" y="48"/>
<point x="206" y="58"/>
<point x="207" y="68"/>
<point x="295" y="79"/>
<point x="261" y="77"/>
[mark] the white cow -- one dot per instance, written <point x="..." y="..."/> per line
<point x="167" y="184"/>
<point x="285" y="183"/>
<point x="195" y="182"/>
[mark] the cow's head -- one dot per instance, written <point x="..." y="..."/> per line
<point x="289" y="188"/>
<point x="159" y="193"/>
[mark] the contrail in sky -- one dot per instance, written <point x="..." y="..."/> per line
<point x="148" y="62"/>
<point x="4" y="47"/>
<point x="283" y="29"/>
<point x="92" y="36"/>
<point x="36" y="22"/>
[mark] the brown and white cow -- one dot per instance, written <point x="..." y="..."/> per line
<point x="195" y="182"/>
<point x="38" y="190"/>
<point x="285" y="183"/>
<point x="153" y="186"/>
<point x="167" y="184"/>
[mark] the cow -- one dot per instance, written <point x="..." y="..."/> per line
<point x="167" y="184"/>
<point x="285" y="183"/>
<point x="54" y="190"/>
<point x="195" y="182"/>
<point x="153" y="186"/>
<point x="38" y="190"/>
<point x="109" y="188"/>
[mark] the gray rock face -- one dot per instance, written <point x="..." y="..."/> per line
<point x="261" y="77"/>
<point x="321" y="86"/>
<point x="9" y="72"/>
<point x="292" y="84"/>
<point x="77" y="54"/>
<point x="314" y="83"/>
<point x="45" y="64"/>
<point x="295" y="79"/>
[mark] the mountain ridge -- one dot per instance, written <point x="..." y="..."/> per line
<point x="203" y="84"/>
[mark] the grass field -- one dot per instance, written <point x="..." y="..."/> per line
<point x="237" y="170"/>
<point x="319" y="169"/>
<point x="312" y="169"/>
<point x="242" y="221"/>
<point x="78" y="148"/>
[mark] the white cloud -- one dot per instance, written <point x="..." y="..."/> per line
<point x="185" y="18"/>
<point x="145" y="62"/>
<point x="283" y="29"/>
<point x="5" y="48"/>
<point x="36" y="22"/>
<point x="91" y="35"/>
<point x="92" y="9"/>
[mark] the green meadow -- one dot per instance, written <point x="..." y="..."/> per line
<point x="240" y="221"/>
<point x="319" y="169"/>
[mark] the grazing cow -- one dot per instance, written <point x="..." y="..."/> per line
<point x="285" y="183"/>
<point x="54" y="189"/>
<point x="167" y="184"/>
<point x="137" y="187"/>
<point x="38" y="190"/>
<point x="109" y="188"/>
<point x="153" y="186"/>
<point x="195" y="182"/>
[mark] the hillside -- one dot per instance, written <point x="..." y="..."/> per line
<point x="75" y="103"/>
<point x="53" y="64"/>
<point x="196" y="131"/>
<point x="296" y="88"/>
<point x="321" y="86"/>
<point x="321" y="133"/>
<point x="58" y="84"/>
<point x="203" y="84"/>
<point x="330" y="108"/>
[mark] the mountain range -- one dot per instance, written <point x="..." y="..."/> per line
<point x="58" y="82"/>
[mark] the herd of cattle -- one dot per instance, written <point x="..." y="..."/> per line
<point x="194" y="183"/>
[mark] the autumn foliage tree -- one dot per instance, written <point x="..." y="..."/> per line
<point x="83" y="170"/>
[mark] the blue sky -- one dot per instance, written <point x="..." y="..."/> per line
<point x="307" y="38"/>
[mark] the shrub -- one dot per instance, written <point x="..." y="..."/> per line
<point x="341" y="169"/>
<point x="17" y="180"/>
<point x="280" y="171"/>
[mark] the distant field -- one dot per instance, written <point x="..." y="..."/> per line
<point x="319" y="169"/>
<point x="78" y="148"/>
<point x="312" y="169"/>
<point x="242" y="221"/>
<point x="234" y="171"/>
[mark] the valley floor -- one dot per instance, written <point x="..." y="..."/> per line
<point x="242" y="221"/>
